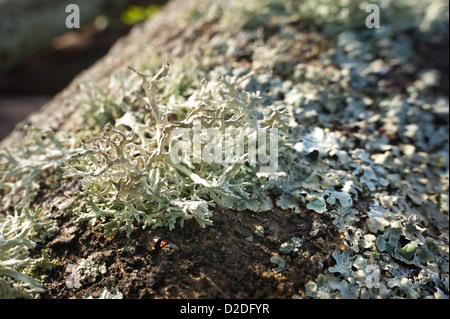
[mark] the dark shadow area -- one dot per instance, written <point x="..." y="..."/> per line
<point x="28" y="86"/>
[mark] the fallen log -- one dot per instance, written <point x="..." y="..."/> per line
<point x="358" y="207"/>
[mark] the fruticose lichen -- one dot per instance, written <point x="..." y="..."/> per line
<point x="18" y="234"/>
<point x="41" y="152"/>
<point x="134" y="176"/>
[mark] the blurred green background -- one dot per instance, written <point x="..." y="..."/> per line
<point x="47" y="58"/>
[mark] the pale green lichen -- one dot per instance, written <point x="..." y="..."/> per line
<point x="20" y="168"/>
<point x="291" y="246"/>
<point x="18" y="235"/>
<point x="281" y="263"/>
<point x="113" y="294"/>
<point x="132" y="176"/>
<point x="85" y="272"/>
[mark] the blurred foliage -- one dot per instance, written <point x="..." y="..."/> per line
<point x="135" y="14"/>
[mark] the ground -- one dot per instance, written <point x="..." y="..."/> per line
<point x="212" y="262"/>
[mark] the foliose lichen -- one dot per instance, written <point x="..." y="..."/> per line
<point x="84" y="272"/>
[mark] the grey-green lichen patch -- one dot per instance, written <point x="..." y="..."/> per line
<point x="19" y="233"/>
<point x="403" y="179"/>
<point x="280" y="263"/>
<point x="291" y="246"/>
<point x="383" y="272"/>
<point x="132" y="177"/>
<point x="259" y="231"/>
<point x="20" y="168"/>
<point x="85" y="272"/>
<point x="105" y="294"/>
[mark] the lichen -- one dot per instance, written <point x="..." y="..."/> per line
<point x="282" y="265"/>
<point x="85" y="272"/>
<point x="19" y="233"/>
<point x="21" y="167"/>
<point x="135" y="176"/>
<point x="291" y="246"/>
<point x="105" y="294"/>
